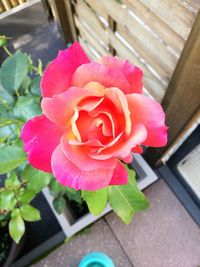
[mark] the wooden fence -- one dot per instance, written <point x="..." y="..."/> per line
<point x="6" y="5"/>
<point x="153" y="34"/>
<point x="148" y="33"/>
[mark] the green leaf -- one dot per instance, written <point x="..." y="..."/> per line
<point x="96" y="200"/>
<point x="7" y="200"/>
<point x="26" y="108"/>
<point x="30" y="213"/>
<point x="26" y="196"/>
<point x="35" y="86"/>
<point x="12" y="181"/>
<point x="16" y="226"/>
<point x="5" y="96"/>
<point x="5" y="122"/>
<point x="11" y="156"/>
<point x="13" y="71"/>
<point x="74" y="195"/>
<point x="59" y="204"/>
<point x="56" y="189"/>
<point x="127" y="199"/>
<point x="37" y="179"/>
<point x="24" y="87"/>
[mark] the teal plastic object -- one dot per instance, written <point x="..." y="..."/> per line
<point x="96" y="259"/>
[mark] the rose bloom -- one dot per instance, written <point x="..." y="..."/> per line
<point x="94" y="117"/>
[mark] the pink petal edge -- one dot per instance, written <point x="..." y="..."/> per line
<point x="120" y="175"/>
<point x="58" y="74"/>
<point x="148" y="112"/>
<point x="40" y="137"/>
<point x="69" y="175"/>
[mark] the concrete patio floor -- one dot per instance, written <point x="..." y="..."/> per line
<point x="163" y="236"/>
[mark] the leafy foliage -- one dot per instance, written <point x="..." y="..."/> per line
<point x="26" y="108"/>
<point x="59" y="204"/>
<point x="11" y="156"/>
<point x="36" y="179"/>
<point x="13" y="71"/>
<point x="62" y="193"/>
<point x="127" y="199"/>
<point x="19" y="101"/>
<point x="16" y="225"/>
<point x="96" y="200"/>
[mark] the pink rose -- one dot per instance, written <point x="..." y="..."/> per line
<point x="94" y="115"/>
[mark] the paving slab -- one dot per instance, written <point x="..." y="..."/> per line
<point x="99" y="238"/>
<point x="163" y="236"/>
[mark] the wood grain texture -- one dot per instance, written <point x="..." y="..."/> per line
<point x="112" y="26"/>
<point x="154" y="47"/>
<point x="62" y="12"/>
<point x="173" y="13"/>
<point x="90" y="18"/>
<point x="7" y="4"/>
<point x="14" y="3"/>
<point x="87" y="48"/>
<point x="98" y="7"/>
<point x="182" y="99"/>
<point x="158" y="66"/>
<point x="158" y="26"/>
<point x="88" y="35"/>
<point x="195" y="4"/>
<point x="2" y="8"/>
<point x="151" y="82"/>
<point x="183" y="95"/>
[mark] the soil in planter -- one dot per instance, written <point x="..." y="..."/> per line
<point x="5" y="244"/>
<point x="78" y="210"/>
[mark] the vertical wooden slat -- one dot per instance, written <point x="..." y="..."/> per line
<point x="2" y="8"/>
<point x="14" y="3"/>
<point x="112" y="26"/>
<point x="7" y="4"/>
<point x="182" y="98"/>
<point x="89" y="36"/>
<point x="22" y="1"/>
<point x="62" y="11"/>
<point x="90" y="18"/>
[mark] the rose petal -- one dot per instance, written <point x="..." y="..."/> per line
<point x="69" y="175"/>
<point x="78" y="155"/>
<point x="120" y="175"/>
<point x="120" y="101"/>
<point x="90" y="128"/>
<point x="128" y="159"/>
<point x="138" y="149"/>
<point x="57" y="76"/>
<point x="66" y="102"/>
<point x="132" y="73"/>
<point x="150" y="113"/>
<point x="106" y="76"/>
<point x="122" y="148"/>
<point x="41" y="137"/>
<point x="107" y="108"/>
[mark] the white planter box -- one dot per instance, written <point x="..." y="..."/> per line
<point x="70" y="226"/>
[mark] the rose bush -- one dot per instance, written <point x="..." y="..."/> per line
<point x="94" y="117"/>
